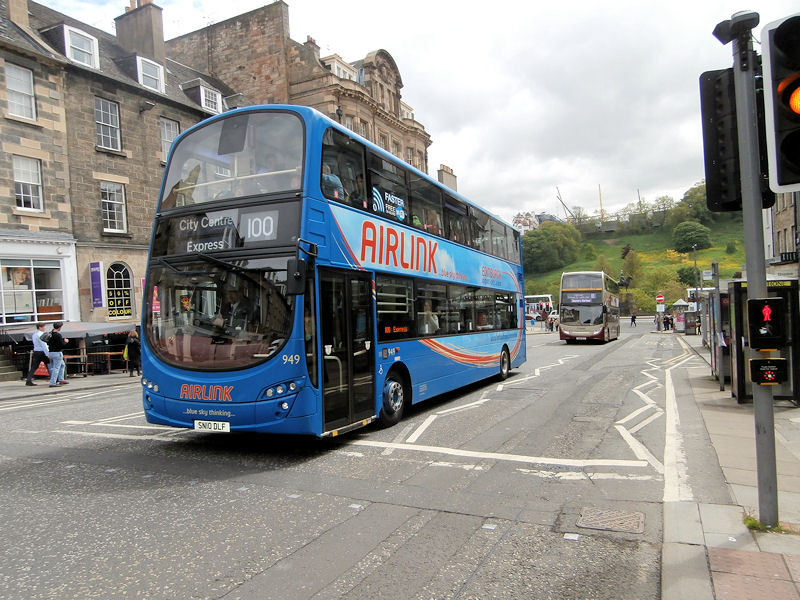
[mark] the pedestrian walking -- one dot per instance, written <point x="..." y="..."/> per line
<point x="633" y="320"/>
<point x="133" y="352"/>
<point x="40" y="353"/>
<point x="56" y="345"/>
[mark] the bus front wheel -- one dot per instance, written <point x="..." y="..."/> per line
<point x="394" y="394"/>
<point x="505" y="364"/>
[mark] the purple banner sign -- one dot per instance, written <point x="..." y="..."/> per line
<point x="96" y="276"/>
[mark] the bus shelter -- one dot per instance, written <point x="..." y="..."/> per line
<point x="717" y="331"/>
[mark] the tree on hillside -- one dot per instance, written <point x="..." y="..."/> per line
<point x="661" y="207"/>
<point x="551" y="246"/>
<point x="663" y="203"/>
<point x="602" y="264"/>
<point x="579" y="216"/>
<point x="695" y="200"/>
<point x="687" y="235"/>
<point x="688" y="276"/>
<point x="680" y="213"/>
<point x="632" y="266"/>
<point x="661" y="279"/>
<point x="641" y="301"/>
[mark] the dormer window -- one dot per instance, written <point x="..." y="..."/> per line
<point x="151" y="74"/>
<point x="210" y="99"/>
<point x="81" y="47"/>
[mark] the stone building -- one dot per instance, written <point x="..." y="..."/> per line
<point x="783" y="260"/>
<point x="254" y="54"/>
<point x="36" y="241"/>
<point x="88" y="120"/>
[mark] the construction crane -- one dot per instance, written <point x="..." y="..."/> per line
<point x="567" y="211"/>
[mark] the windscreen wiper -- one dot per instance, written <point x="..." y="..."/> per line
<point x="173" y="268"/>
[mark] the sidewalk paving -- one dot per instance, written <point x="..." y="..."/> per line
<point x="707" y="552"/>
<point x="17" y="390"/>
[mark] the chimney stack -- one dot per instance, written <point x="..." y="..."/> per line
<point x="141" y="30"/>
<point x="18" y="13"/>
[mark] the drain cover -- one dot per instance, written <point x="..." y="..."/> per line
<point x="611" y="520"/>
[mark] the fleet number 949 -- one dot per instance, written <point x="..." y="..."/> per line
<point x="291" y="359"/>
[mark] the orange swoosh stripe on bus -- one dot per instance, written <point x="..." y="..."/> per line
<point x="350" y="253"/>
<point x="464" y="356"/>
<point x="461" y="355"/>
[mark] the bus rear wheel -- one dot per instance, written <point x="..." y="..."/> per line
<point x="394" y="398"/>
<point x="505" y="365"/>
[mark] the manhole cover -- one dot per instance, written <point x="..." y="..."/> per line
<point x="611" y="520"/>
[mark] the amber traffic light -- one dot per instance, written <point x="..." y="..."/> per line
<point x="781" y="48"/>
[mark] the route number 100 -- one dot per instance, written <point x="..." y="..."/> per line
<point x="260" y="228"/>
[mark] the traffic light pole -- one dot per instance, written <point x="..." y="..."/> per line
<point x="744" y="62"/>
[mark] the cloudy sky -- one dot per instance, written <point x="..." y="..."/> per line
<point x="520" y="97"/>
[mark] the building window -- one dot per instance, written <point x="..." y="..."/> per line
<point x="151" y="74"/>
<point x="81" y="47"/>
<point x="410" y="156"/>
<point x="211" y="99"/>
<point x="113" y="200"/>
<point x="348" y="122"/>
<point x="28" y="182"/>
<point x="106" y="117"/>
<point x="362" y="129"/>
<point x="396" y="149"/>
<point x="119" y="293"/>
<point x="383" y="141"/>
<point x="31" y="290"/>
<point x="169" y="131"/>
<point x="21" y="99"/>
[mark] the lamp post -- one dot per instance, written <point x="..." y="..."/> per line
<point x="696" y="274"/>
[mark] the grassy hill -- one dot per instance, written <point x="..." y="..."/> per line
<point x="654" y="250"/>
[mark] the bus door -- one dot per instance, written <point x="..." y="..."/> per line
<point x="348" y="348"/>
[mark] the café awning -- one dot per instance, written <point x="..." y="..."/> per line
<point x="13" y="334"/>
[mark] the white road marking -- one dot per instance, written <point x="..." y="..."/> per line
<point x="447" y="411"/>
<point x="646" y="422"/>
<point x="563" y="462"/>
<point x="421" y="429"/>
<point x="579" y="475"/>
<point x="634" y="414"/>
<point x="122" y="436"/>
<point x="676" y="471"/>
<point x="403" y="433"/>
<point x="639" y="449"/>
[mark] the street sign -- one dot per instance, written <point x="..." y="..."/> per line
<point x="660" y="298"/>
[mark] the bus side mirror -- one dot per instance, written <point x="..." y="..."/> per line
<point x="295" y="276"/>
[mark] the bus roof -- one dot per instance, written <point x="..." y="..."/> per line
<point x="311" y="114"/>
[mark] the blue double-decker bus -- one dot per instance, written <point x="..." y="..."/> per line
<point x="303" y="280"/>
